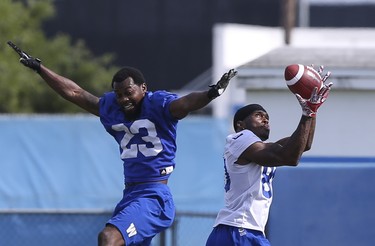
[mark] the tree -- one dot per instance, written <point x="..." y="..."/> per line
<point x="21" y="90"/>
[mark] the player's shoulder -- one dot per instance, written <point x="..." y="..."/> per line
<point x="107" y="98"/>
<point x="160" y="96"/>
<point x="241" y="140"/>
<point x="159" y="93"/>
<point x="237" y="136"/>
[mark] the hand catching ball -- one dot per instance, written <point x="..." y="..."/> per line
<point x="302" y="79"/>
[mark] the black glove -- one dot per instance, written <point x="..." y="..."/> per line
<point x="221" y="85"/>
<point x="25" y="59"/>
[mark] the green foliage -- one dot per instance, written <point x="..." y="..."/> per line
<point x="21" y="89"/>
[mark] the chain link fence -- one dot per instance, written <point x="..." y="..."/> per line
<point x="81" y="228"/>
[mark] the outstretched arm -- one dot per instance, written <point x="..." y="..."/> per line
<point x="311" y="106"/>
<point x="182" y="106"/>
<point x="65" y="87"/>
<point x="310" y="139"/>
<point x="311" y="134"/>
<point x="70" y="91"/>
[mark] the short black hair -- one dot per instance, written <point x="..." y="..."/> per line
<point x="245" y="111"/>
<point x="127" y="72"/>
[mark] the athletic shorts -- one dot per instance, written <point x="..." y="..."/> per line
<point x="144" y="211"/>
<point x="224" y="235"/>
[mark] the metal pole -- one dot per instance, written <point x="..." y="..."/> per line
<point x="289" y="18"/>
<point x="163" y="239"/>
<point x="174" y="232"/>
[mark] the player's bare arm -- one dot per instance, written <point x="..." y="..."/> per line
<point x="181" y="107"/>
<point x="311" y="134"/>
<point x="310" y="139"/>
<point x="70" y="91"/>
<point x="275" y="154"/>
<point x="63" y="86"/>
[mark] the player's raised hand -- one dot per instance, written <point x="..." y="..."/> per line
<point x="320" y="71"/>
<point x="218" y="89"/>
<point x="26" y="59"/>
<point x="318" y="97"/>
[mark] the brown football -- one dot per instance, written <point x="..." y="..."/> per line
<point x="302" y="79"/>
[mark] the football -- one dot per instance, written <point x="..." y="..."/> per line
<point x="302" y="79"/>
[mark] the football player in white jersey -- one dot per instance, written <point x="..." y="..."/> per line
<point x="250" y="165"/>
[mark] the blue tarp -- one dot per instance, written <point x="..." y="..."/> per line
<point x="70" y="162"/>
<point x="57" y="162"/>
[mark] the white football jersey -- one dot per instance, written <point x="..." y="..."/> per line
<point x="248" y="188"/>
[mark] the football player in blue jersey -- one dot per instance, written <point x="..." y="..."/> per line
<point x="144" y="124"/>
<point x="249" y="166"/>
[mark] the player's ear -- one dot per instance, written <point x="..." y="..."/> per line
<point x="144" y="87"/>
<point x="240" y="125"/>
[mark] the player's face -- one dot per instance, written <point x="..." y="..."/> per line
<point x="129" y="95"/>
<point x="258" y="123"/>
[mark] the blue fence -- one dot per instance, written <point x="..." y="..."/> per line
<point x="325" y="204"/>
<point x="70" y="163"/>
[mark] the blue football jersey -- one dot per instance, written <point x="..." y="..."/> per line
<point x="147" y="144"/>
